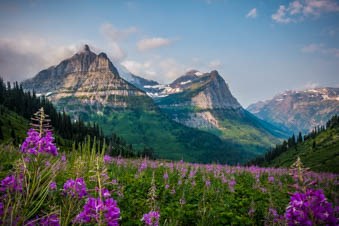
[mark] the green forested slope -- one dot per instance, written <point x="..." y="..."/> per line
<point x="319" y="150"/>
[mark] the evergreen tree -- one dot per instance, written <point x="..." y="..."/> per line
<point x="314" y="144"/>
<point x="300" y="138"/>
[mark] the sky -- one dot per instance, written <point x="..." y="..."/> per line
<point x="260" y="47"/>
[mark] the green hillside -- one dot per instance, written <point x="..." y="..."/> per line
<point x="170" y="140"/>
<point x="319" y="152"/>
<point x="13" y="127"/>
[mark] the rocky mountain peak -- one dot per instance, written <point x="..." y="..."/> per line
<point x="86" y="76"/>
<point x="215" y="93"/>
<point x="86" y="48"/>
<point x="214" y="73"/>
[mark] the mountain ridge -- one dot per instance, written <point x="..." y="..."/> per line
<point x="89" y="86"/>
<point x="299" y="110"/>
<point x="205" y="102"/>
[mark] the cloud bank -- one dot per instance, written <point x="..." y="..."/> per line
<point x="153" y="43"/>
<point x="301" y="9"/>
<point x="24" y="56"/>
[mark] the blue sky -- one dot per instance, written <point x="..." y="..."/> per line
<point x="261" y="48"/>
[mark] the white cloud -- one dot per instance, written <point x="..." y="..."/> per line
<point x="295" y="7"/>
<point x="139" y="68"/>
<point x="252" y="13"/>
<point x="153" y="43"/>
<point x="280" y="15"/>
<point x="23" y="57"/>
<point x="316" y="7"/>
<point x="320" y="48"/>
<point x="115" y="34"/>
<point x="115" y="37"/>
<point x="163" y="70"/>
<point x="311" y="85"/>
<point x="298" y="10"/>
<point x="214" y="64"/>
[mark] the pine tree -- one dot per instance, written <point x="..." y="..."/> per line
<point x="300" y="138"/>
<point x="314" y="144"/>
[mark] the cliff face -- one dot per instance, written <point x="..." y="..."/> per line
<point x="204" y="101"/>
<point x="85" y="78"/>
<point x="299" y="110"/>
<point x="214" y="93"/>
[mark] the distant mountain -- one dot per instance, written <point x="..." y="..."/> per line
<point x="204" y="101"/>
<point x="319" y="150"/>
<point x="299" y="110"/>
<point x="89" y="86"/>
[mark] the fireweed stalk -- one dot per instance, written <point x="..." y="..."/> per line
<point x="152" y="218"/>
<point x="102" y="210"/>
<point x="33" y="176"/>
<point x="308" y="206"/>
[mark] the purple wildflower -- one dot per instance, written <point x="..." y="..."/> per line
<point x="251" y="212"/>
<point x="143" y="166"/>
<point x="192" y="173"/>
<point x="51" y="220"/>
<point x="172" y="191"/>
<point x="1" y="209"/>
<point x="53" y="186"/>
<point x="63" y="158"/>
<point x="166" y="175"/>
<point x="271" y="179"/>
<point x="151" y="218"/>
<point x="34" y="144"/>
<point x="105" y="192"/>
<point x="309" y="208"/>
<point x="112" y="212"/>
<point x="208" y="183"/>
<point x="11" y="183"/>
<point x="114" y="182"/>
<point x="108" y="159"/>
<point x="231" y="185"/>
<point x="95" y="206"/>
<point x="75" y="188"/>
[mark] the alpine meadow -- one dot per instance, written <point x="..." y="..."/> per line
<point x="197" y="112"/>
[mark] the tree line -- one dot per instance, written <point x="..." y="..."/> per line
<point x="293" y="141"/>
<point x="26" y="103"/>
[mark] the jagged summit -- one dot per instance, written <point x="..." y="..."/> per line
<point x="86" y="48"/>
<point x="208" y="91"/>
<point x="87" y="78"/>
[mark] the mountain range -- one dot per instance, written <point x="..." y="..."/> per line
<point x="299" y="111"/>
<point x="195" y="118"/>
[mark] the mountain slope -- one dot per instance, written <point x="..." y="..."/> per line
<point x="206" y="102"/>
<point x="299" y="110"/>
<point x="137" y="81"/>
<point x="319" y="152"/>
<point x="89" y="86"/>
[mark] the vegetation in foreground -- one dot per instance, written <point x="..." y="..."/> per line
<point x="40" y="185"/>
